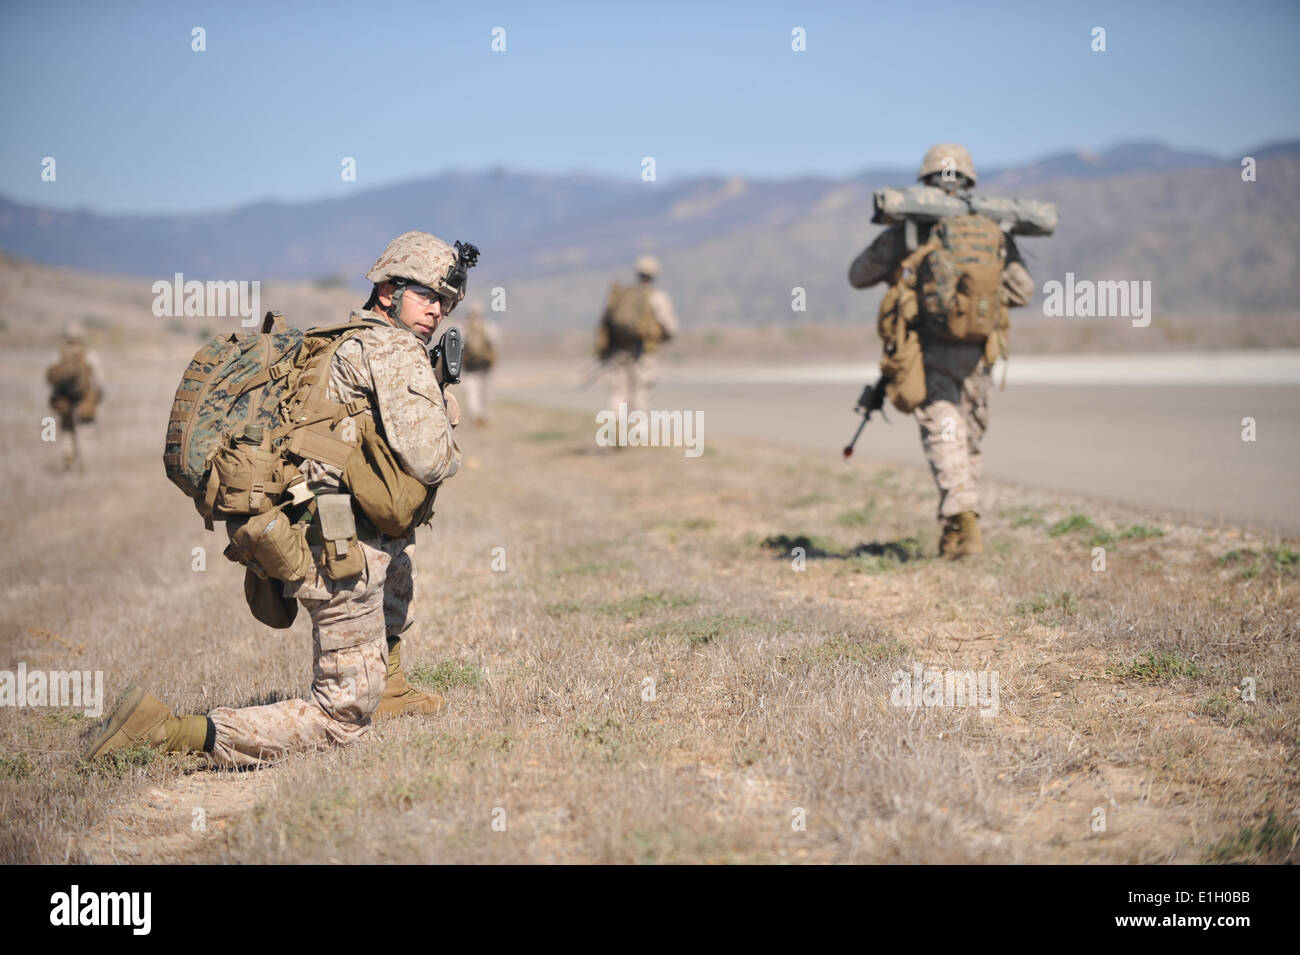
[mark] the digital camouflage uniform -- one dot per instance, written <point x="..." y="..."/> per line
<point x="353" y="620"/>
<point x="955" y="414"/>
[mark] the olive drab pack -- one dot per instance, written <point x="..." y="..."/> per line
<point x="478" y="354"/>
<point x="959" y="280"/>
<point x="629" y="319"/>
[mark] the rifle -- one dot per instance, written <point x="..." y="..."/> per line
<point x="871" y="400"/>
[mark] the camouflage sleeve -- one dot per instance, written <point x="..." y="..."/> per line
<point x="665" y="315"/>
<point x="878" y="259"/>
<point x="1015" y="277"/>
<point x="411" y="411"/>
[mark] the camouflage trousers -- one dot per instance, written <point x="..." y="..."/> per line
<point x="474" y="386"/>
<point x="630" y="379"/>
<point x="350" y="622"/>
<point x="953" y="420"/>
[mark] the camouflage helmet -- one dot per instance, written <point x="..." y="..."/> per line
<point x="420" y="258"/>
<point x="647" y="265"/>
<point x="947" y="156"/>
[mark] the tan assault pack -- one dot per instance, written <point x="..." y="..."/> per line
<point x="960" y="279"/>
<point x="74" y="391"/>
<point x="630" y="321"/>
<point x="478" y="353"/>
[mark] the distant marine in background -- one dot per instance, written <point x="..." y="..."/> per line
<point x="76" y="391"/>
<point x="953" y="271"/>
<point x="482" y="348"/>
<point x="636" y="321"/>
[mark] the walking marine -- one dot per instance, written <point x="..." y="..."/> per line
<point x="636" y="321"/>
<point x="944" y="323"/>
<point x="346" y="438"/>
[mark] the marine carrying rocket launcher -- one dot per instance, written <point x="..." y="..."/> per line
<point x="926" y="204"/>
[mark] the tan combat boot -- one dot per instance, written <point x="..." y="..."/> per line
<point x="969" y="527"/>
<point x="141" y="717"/>
<point x="950" y="538"/>
<point x="400" y="698"/>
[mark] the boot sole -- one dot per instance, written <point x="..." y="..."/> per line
<point x="131" y="699"/>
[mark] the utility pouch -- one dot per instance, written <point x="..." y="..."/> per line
<point x="395" y="502"/>
<point x="247" y="477"/>
<point x="338" y="530"/>
<point x="266" y="600"/>
<point x="270" y="545"/>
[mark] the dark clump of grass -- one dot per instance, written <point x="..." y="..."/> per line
<point x="859" y="517"/>
<point x="119" y="762"/>
<point x="447" y="674"/>
<point x="1075" y="522"/>
<point x="639" y="606"/>
<point x="1281" y="560"/>
<point x="702" y="630"/>
<point x="1140" y="532"/>
<point x="844" y="649"/>
<point x="1272" y="841"/>
<point x="1064" y="601"/>
<point x="1158" y="667"/>
<point x="16" y="767"/>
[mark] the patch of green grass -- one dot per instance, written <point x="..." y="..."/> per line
<point x="1272" y="840"/>
<point x="639" y="606"/>
<point x="1022" y="516"/>
<point x="1101" y="539"/>
<point x="698" y="524"/>
<point x="702" y="630"/>
<point x="1281" y="560"/>
<point x="562" y="608"/>
<point x="843" y="649"/>
<point x="16" y="767"/>
<point x="1064" y="601"/>
<point x="807" y="500"/>
<point x="860" y="517"/>
<point x="592" y="567"/>
<point x="63" y="719"/>
<point x="1217" y="706"/>
<point x="121" y="761"/>
<point x="1075" y="522"/>
<point x="448" y="673"/>
<point x="1158" y="667"/>
<point x="1140" y="532"/>
<point x="543" y="437"/>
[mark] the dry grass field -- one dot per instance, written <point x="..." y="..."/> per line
<point x="1120" y="734"/>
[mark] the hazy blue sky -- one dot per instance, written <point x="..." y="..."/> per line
<point x="137" y="121"/>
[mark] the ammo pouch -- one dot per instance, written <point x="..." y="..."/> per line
<point x="337" y="529"/>
<point x="904" y="369"/>
<point x="271" y="545"/>
<point x="395" y="502"/>
<point x="247" y="478"/>
<point x="901" y="364"/>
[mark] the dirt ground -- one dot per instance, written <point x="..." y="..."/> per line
<point x="651" y="657"/>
